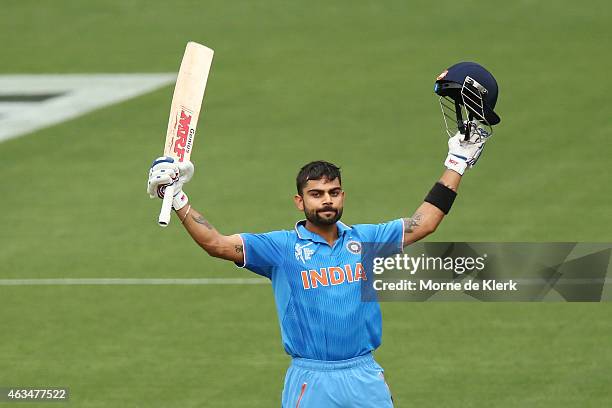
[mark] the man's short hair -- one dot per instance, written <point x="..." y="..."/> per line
<point x="317" y="170"/>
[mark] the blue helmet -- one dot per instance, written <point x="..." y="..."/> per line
<point x="470" y="85"/>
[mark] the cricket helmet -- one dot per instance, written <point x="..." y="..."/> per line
<point x="468" y="88"/>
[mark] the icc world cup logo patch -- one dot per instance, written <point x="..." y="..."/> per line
<point x="354" y="247"/>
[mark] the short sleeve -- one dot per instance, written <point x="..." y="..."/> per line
<point x="262" y="252"/>
<point x="391" y="232"/>
<point x="388" y="236"/>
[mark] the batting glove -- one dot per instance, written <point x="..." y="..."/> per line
<point x="463" y="154"/>
<point x="164" y="172"/>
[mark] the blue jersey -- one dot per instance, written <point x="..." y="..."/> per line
<point x="317" y="288"/>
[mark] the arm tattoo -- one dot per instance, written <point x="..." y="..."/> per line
<point x="238" y="248"/>
<point x="411" y="223"/>
<point x="201" y="220"/>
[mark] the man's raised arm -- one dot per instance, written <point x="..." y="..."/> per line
<point x="228" y="247"/>
<point x="461" y="155"/>
<point x="165" y="171"/>
<point x="428" y="216"/>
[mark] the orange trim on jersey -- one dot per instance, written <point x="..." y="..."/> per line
<point x="349" y="272"/>
<point x="360" y="272"/>
<point x="316" y="277"/>
<point x="336" y="275"/>
<point x="305" y="282"/>
<point x="301" y="395"/>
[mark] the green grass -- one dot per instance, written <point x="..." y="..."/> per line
<point x="346" y="81"/>
<point x="204" y="346"/>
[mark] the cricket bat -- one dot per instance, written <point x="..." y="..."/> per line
<point x="184" y="112"/>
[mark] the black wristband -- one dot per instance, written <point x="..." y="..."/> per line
<point x="441" y="196"/>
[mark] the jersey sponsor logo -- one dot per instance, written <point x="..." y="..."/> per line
<point x="183" y="132"/>
<point x="333" y="275"/>
<point x="303" y="253"/>
<point x="353" y="247"/>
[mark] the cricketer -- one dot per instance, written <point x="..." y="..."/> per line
<point x="316" y="268"/>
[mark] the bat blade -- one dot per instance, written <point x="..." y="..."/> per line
<point x="185" y="112"/>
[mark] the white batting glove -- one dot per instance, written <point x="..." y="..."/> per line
<point x="164" y="172"/>
<point x="463" y="154"/>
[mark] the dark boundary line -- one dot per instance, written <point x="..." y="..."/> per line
<point x="28" y="97"/>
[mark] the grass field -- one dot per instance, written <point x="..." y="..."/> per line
<point x="350" y="82"/>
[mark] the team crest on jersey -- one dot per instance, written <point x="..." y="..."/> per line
<point x="353" y="247"/>
<point x="303" y="253"/>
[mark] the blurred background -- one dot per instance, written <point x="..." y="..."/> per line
<point x="344" y="81"/>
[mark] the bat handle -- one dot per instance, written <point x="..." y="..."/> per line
<point x="166" y="208"/>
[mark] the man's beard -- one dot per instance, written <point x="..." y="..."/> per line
<point x="314" y="217"/>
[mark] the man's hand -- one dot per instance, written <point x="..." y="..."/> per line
<point x="164" y="172"/>
<point x="463" y="154"/>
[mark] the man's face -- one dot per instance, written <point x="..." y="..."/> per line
<point x="322" y="201"/>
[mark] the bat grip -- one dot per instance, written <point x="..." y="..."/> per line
<point x="166" y="208"/>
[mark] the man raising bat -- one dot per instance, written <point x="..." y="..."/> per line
<point x="326" y="328"/>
